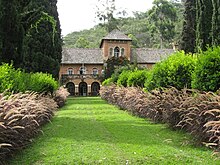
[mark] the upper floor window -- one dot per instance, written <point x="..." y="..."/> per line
<point x="116" y="52"/>
<point x="82" y="70"/>
<point x="95" y="71"/>
<point x="122" y="52"/>
<point x="70" y="71"/>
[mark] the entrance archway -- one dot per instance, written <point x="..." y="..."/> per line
<point x="83" y="89"/>
<point x="71" y="88"/>
<point x="95" y="87"/>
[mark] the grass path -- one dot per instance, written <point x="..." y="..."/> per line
<point x="90" y="131"/>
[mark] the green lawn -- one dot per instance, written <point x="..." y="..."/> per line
<point x="90" y="131"/>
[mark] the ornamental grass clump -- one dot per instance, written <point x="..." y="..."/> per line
<point x="193" y="111"/>
<point x="21" y="116"/>
<point x="60" y="96"/>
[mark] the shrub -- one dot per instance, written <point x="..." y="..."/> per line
<point x="42" y="82"/>
<point x="108" y="81"/>
<point x="206" y="76"/>
<point x="7" y="80"/>
<point x="175" y="71"/>
<point x="16" y="80"/>
<point x="123" y="77"/>
<point x="137" y="78"/>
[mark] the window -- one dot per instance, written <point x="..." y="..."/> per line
<point x="110" y="52"/>
<point x="95" y="71"/>
<point x="116" y="52"/>
<point x="70" y="71"/>
<point x="122" y="52"/>
<point x="82" y="70"/>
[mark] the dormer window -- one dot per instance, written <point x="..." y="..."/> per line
<point x="116" y="52"/>
<point x="70" y="71"/>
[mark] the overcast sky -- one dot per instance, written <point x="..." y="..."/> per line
<point x="79" y="15"/>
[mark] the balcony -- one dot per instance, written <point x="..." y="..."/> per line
<point x="66" y="77"/>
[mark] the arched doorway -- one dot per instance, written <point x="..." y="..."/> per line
<point x="95" y="87"/>
<point x="83" y="89"/>
<point x="71" y="88"/>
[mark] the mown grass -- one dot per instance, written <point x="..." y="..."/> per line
<point x="90" y="131"/>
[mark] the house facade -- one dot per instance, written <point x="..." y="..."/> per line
<point x="81" y="69"/>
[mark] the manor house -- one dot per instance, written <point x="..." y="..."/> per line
<point x="81" y="69"/>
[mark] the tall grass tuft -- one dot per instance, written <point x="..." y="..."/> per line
<point x="21" y="116"/>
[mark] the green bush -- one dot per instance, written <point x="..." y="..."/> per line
<point x="7" y="80"/>
<point x="206" y="76"/>
<point x="42" y="82"/>
<point x="16" y="80"/>
<point x="108" y="81"/>
<point x="175" y="71"/>
<point x="137" y="78"/>
<point x="123" y="78"/>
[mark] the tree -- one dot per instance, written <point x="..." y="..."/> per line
<point x="82" y="43"/>
<point x="11" y="32"/>
<point x="30" y="30"/>
<point x="204" y="14"/>
<point x="215" y="23"/>
<point x="188" y="39"/>
<point x="163" y="16"/>
<point x="42" y="48"/>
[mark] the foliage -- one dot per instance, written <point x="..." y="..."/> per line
<point x="88" y="124"/>
<point x="30" y="35"/>
<point x="42" y="82"/>
<point x="108" y="81"/>
<point x="188" y="39"/>
<point x="201" y="25"/>
<point x="14" y="80"/>
<point x="189" y="110"/>
<point x="137" y="78"/>
<point x="113" y="67"/>
<point x="175" y="71"/>
<point x="93" y="36"/>
<point x="7" y="80"/>
<point x="215" y="23"/>
<point x="21" y="117"/>
<point x="207" y="72"/>
<point x="163" y="16"/>
<point x="123" y="78"/>
<point x="204" y="24"/>
<point x="139" y="27"/>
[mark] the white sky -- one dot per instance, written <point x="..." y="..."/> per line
<point x="79" y="15"/>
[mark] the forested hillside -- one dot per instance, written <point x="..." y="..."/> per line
<point x="158" y="27"/>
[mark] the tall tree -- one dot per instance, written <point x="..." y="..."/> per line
<point x="42" y="43"/>
<point x="216" y="23"/>
<point x="11" y="32"/>
<point x="188" y="39"/>
<point x="105" y="14"/>
<point x="163" y="16"/>
<point x="204" y="16"/>
<point x="30" y="35"/>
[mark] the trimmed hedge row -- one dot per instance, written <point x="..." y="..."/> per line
<point x="15" y="80"/>
<point x="193" y="111"/>
<point x="179" y="70"/>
